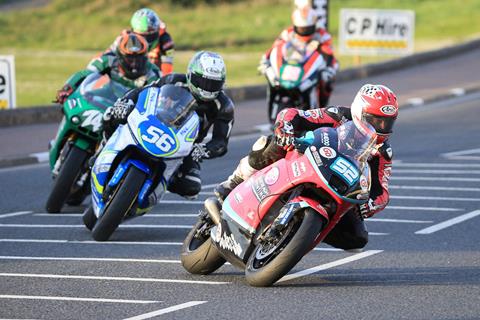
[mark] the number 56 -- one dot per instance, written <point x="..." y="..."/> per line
<point x="158" y="137"/>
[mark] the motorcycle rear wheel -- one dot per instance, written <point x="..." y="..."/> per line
<point x="266" y="265"/>
<point x="122" y="199"/>
<point x="71" y="169"/>
<point x="199" y="255"/>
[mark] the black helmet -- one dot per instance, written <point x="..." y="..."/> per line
<point x="132" y="55"/>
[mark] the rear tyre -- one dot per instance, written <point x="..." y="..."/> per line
<point x="71" y="169"/>
<point x="119" y="204"/>
<point x="89" y="218"/>
<point x="271" y="261"/>
<point x="199" y="255"/>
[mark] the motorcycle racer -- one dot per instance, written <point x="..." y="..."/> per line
<point x="304" y="31"/>
<point x="205" y="79"/>
<point x="373" y="104"/>
<point x="146" y="23"/>
<point x="127" y="65"/>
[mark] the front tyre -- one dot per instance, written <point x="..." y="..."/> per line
<point x="199" y="255"/>
<point x="119" y="204"/>
<point x="72" y="168"/>
<point x="271" y="260"/>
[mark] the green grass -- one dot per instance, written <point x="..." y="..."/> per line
<point x="68" y="33"/>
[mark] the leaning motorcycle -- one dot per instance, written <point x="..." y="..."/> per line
<point x="271" y="220"/>
<point x="139" y="156"/>
<point x="77" y="139"/>
<point x="293" y="76"/>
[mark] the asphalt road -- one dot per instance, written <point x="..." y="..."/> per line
<point x="422" y="261"/>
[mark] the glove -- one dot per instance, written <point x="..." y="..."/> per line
<point x="284" y="136"/>
<point x="367" y="209"/>
<point x="264" y="64"/>
<point x="199" y="152"/>
<point x="328" y="74"/>
<point x="64" y="93"/>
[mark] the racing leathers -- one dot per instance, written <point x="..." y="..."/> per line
<point x="322" y="40"/>
<point x="350" y="232"/>
<point x="217" y="113"/>
<point x="108" y="63"/>
<point x="160" y="52"/>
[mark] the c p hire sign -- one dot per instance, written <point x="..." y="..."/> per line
<point x="7" y="82"/>
<point x="375" y="32"/>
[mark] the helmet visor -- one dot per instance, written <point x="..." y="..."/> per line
<point x="304" y="31"/>
<point x="134" y="65"/>
<point x="382" y="125"/>
<point x="206" y="84"/>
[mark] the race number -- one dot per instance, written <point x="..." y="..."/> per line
<point x="346" y="170"/>
<point x="158" y="137"/>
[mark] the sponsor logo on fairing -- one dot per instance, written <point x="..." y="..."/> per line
<point x="227" y="242"/>
<point x="303" y="167"/>
<point x="316" y="157"/>
<point x="260" y="189"/>
<point x="296" y="169"/>
<point x="250" y="215"/>
<point x="238" y="197"/>
<point x="328" y="152"/>
<point x="388" y="110"/>
<point x="325" y="139"/>
<point x="272" y="176"/>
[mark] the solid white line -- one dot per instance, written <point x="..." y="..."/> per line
<point x="209" y="186"/>
<point x="435" y="165"/>
<point x="436" y="179"/>
<point x="8" y="296"/>
<point x="437" y="171"/>
<point x="181" y="201"/>
<point x="421" y="208"/>
<point x="41" y="156"/>
<point x="14" y="214"/>
<point x="435" y="198"/>
<point x="397" y="220"/>
<point x="152" y="215"/>
<point x="433" y="188"/>
<point x="457" y="91"/>
<point x="378" y="234"/>
<point x="415" y="101"/>
<point x="88" y="259"/>
<point x="143" y="243"/>
<point x="166" y="310"/>
<point x="128" y="226"/>
<point x="449" y="223"/>
<point x="61" y="276"/>
<point x="329" y="265"/>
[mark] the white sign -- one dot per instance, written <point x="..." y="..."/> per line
<point x="7" y="82"/>
<point x="376" y="32"/>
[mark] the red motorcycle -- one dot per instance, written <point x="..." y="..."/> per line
<point x="270" y="221"/>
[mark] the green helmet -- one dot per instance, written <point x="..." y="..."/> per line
<point x="147" y="23"/>
<point x="206" y="75"/>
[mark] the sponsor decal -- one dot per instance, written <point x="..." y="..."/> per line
<point x="260" y="189"/>
<point x="317" y="159"/>
<point x="314" y="114"/>
<point x="389" y="152"/>
<point x="388" y="110"/>
<point x="363" y="183"/>
<point x="328" y="152"/>
<point x="325" y="139"/>
<point x="227" y="242"/>
<point x="296" y="169"/>
<point x="303" y="167"/>
<point x="272" y="176"/>
<point x="250" y="215"/>
<point x="313" y="148"/>
<point x="238" y="197"/>
<point x="333" y="110"/>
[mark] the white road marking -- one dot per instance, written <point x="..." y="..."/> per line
<point x="88" y="259"/>
<point x="127" y="226"/>
<point x="449" y="223"/>
<point x="210" y="186"/>
<point x="14" y="214"/>
<point x="181" y="201"/>
<point x="421" y="208"/>
<point x="62" y="276"/>
<point x="329" y="265"/>
<point x="433" y="171"/>
<point x="435" y="198"/>
<point x="152" y="215"/>
<point x="463" y="154"/>
<point x="434" y="188"/>
<point x="415" y="101"/>
<point x="435" y="165"/>
<point x="166" y="310"/>
<point x="436" y="179"/>
<point x="41" y="156"/>
<point x="458" y="91"/>
<point x="8" y="296"/>
<point x="397" y="220"/>
<point x="142" y="243"/>
<point x="378" y="234"/>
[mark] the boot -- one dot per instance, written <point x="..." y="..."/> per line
<point x="222" y="190"/>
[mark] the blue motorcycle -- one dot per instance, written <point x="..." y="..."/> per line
<point x="140" y="157"/>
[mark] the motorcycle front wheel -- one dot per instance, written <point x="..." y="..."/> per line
<point x="71" y="169"/>
<point x="199" y="255"/>
<point x="272" y="259"/>
<point x="119" y="204"/>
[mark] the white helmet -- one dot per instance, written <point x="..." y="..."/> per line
<point x="304" y="21"/>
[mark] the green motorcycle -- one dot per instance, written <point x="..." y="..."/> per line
<point x="78" y="137"/>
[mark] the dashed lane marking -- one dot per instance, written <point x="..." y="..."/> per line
<point x="436" y="179"/>
<point x="329" y="265"/>
<point x="435" y="198"/>
<point x="88" y="259"/>
<point x="58" y="241"/>
<point x="9" y="296"/>
<point x="77" y="277"/>
<point x="14" y="214"/>
<point x="388" y="208"/>
<point x="397" y="220"/>
<point x="449" y="223"/>
<point x="166" y="310"/>
<point x="434" y="188"/>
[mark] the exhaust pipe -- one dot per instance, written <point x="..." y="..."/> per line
<point x="212" y="205"/>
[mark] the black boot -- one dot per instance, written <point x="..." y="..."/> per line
<point x="223" y="189"/>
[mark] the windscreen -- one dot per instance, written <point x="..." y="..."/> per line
<point x="294" y="53"/>
<point x="174" y="105"/>
<point x="354" y="143"/>
<point x="100" y="91"/>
